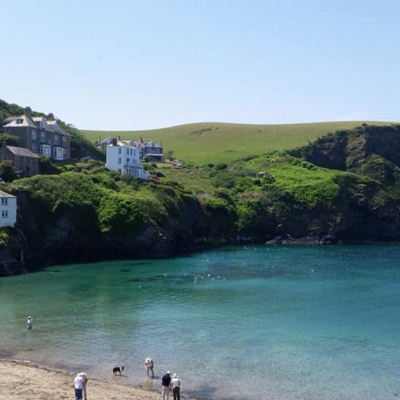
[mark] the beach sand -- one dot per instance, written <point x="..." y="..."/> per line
<point x="25" y="381"/>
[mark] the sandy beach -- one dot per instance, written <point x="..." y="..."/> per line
<point x="25" y="381"/>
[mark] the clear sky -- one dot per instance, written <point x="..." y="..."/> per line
<point x="144" y="64"/>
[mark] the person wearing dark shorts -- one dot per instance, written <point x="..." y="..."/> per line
<point x="78" y="384"/>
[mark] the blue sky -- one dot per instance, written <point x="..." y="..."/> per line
<point x="144" y="64"/>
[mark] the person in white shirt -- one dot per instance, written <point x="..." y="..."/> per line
<point x="84" y="383"/>
<point x="29" y="322"/>
<point x="176" y="387"/>
<point x="149" y="365"/>
<point x="78" y="384"/>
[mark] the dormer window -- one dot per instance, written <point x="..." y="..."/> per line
<point x="19" y="121"/>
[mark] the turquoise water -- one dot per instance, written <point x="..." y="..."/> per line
<point x="234" y="323"/>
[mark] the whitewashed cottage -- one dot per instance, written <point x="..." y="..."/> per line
<point x="125" y="159"/>
<point x="8" y="209"/>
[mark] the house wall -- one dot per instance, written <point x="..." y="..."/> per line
<point x="28" y="164"/>
<point x="125" y="160"/>
<point x="23" y="133"/>
<point x="8" y="211"/>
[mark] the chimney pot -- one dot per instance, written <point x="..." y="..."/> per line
<point x="28" y="112"/>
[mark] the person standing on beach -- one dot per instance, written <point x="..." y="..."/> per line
<point x="176" y="387"/>
<point x="29" y="323"/>
<point x="166" y="385"/>
<point x="84" y="383"/>
<point x="149" y="365"/>
<point x="78" y="384"/>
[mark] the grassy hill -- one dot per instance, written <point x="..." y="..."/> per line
<point x="212" y="142"/>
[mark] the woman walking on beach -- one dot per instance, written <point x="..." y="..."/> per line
<point x="29" y="323"/>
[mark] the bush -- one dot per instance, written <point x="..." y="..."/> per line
<point x="7" y="172"/>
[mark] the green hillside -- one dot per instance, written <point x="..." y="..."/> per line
<point x="212" y="142"/>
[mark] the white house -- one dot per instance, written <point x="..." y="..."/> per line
<point x="125" y="159"/>
<point x="8" y="209"/>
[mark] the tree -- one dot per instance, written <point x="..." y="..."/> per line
<point x="169" y="154"/>
<point x="7" y="172"/>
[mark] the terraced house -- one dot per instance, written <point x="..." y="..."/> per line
<point x="40" y="135"/>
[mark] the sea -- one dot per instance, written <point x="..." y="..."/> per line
<point x="246" y="322"/>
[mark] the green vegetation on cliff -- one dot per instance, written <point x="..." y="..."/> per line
<point x="342" y="187"/>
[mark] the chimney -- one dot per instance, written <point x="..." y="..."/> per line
<point x="28" y="112"/>
<point x="141" y="139"/>
<point x="114" y="141"/>
<point x="50" y="117"/>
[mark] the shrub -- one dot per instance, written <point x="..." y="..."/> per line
<point x="7" y="172"/>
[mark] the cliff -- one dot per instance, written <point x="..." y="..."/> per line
<point x="344" y="188"/>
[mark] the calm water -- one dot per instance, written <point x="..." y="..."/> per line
<point x="244" y="323"/>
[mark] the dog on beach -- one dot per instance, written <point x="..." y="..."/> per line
<point x="118" y="370"/>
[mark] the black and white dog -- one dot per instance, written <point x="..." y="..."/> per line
<point x="118" y="370"/>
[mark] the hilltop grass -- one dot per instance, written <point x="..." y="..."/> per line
<point x="213" y="142"/>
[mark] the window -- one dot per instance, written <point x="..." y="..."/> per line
<point x="119" y="150"/>
<point x="42" y="137"/>
<point x="127" y="160"/>
<point x="119" y="170"/>
<point x="33" y="134"/>
<point x="45" y="150"/>
<point x="4" y="214"/>
<point x="64" y="141"/>
<point x="119" y="160"/>
<point x="4" y="201"/>
<point x="34" y="148"/>
<point x="56" y="138"/>
<point x="59" y="153"/>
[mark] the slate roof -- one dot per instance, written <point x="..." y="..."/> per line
<point x="20" y="151"/>
<point x="4" y="194"/>
<point x="26" y="121"/>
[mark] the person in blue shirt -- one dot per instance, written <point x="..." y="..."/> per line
<point x="166" y="385"/>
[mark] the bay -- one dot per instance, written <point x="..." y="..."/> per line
<point x="247" y="323"/>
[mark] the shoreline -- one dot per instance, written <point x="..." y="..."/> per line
<point x="26" y="380"/>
